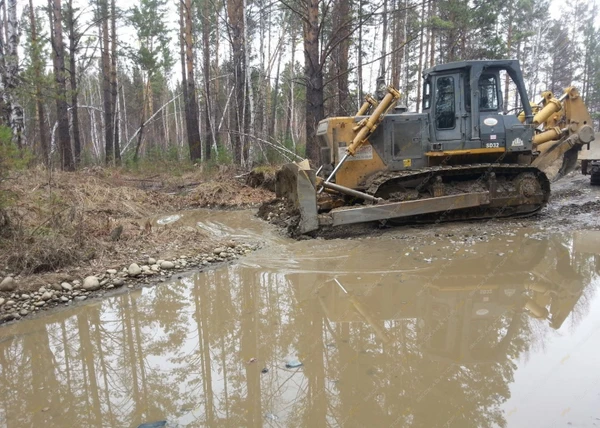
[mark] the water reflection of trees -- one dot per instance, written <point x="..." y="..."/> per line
<point x="382" y="355"/>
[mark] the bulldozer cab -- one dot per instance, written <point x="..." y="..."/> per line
<point x="464" y="103"/>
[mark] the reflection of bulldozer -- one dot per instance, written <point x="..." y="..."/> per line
<point x="459" y="310"/>
<point x="463" y="157"/>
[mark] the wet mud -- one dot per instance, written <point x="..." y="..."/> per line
<point x="460" y="325"/>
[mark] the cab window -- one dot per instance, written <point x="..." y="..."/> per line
<point x="488" y="93"/>
<point x="445" y="117"/>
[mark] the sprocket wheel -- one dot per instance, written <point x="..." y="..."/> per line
<point x="528" y="185"/>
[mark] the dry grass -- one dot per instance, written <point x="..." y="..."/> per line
<point x="97" y="217"/>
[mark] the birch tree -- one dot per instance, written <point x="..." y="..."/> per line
<point x="9" y="69"/>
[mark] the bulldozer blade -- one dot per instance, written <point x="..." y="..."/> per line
<point x="297" y="183"/>
<point x="558" y="158"/>
<point x="552" y="157"/>
<point x="569" y="163"/>
<point x="405" y="209"/>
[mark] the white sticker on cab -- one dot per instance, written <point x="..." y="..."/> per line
<point x="363" y="153"/>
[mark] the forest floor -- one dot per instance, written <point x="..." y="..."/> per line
<point x="63" y="227"/>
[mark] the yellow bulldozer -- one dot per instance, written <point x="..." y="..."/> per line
<point x="463" y="157"/>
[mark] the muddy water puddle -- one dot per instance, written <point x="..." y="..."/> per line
<point x="384" y="331"/>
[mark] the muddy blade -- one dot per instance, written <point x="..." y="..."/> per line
<point x="569" y="163"/>
<point x="296" y="183"/>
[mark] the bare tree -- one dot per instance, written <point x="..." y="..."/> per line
<point x="36" y="60"/>
<point x="191" y="117"/>
<point x="58" y="60"/>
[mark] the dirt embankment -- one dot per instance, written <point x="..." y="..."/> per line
<point x="59" y="228"/>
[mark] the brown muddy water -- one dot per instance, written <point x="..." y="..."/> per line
<point x="403" y="329"/>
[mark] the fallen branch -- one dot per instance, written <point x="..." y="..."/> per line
<point x="146" y="122"/>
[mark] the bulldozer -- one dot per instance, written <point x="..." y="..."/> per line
<point x="463" y="157"/>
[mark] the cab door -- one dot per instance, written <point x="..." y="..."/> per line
<point x="447" y="120"/>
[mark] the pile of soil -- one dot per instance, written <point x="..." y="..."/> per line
<point x="226" y="192"/>
<point x="282" y="213"/>
<point x="263" y="177"/>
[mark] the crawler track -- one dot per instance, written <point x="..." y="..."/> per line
<point x="515" y="190"/>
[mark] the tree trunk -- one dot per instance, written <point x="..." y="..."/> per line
<point x="208" y="126"/>
<point x="37" y="70"/>
<point x="359" y="66"/>
<point x="184" y="86"/>
<point x="509" y="37"/>
<point x="73" y="80"/>
<point x="235" y="13"/>
<point x="342" y="37"/>
<point x="10" y="72"/>
<point x="432" y="37"/>
<point x="313" y="74"/>
<point x="191" y="119"/>
<point x="109" y="148"/>
<point x="384" y="32"/>
<point x="113" y="81"/>
<point x="420" y="68"/>
<point x="62" y="113"/>
<point x="249" y="116"/>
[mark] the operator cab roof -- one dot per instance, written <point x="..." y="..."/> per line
<point x="462" y="65"/>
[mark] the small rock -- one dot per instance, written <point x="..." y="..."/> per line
<point x="1" y="301"/>
<point x="218" y="250"/>
<point x="23" y="312"/>
<point x="56" y="287"/>
<point x="10" y="302"/>
<point x="223" y="254"/>
<point x="151" y="261"/>
<point x="111" y="271"/>
<point x="103" y="282"/>
<point x="66" y="286"/>
<point x="64" y="299"/>
<point x="80" y="298"/>
<point x="8" y="284"/>
<point x="167" y="265"/>
<point x="134" y="269"/>
<point x="155" y="268"/>
<point x="9" y="316"/>
<point x="25" y="296"/>
<point x="118" y="282"/>
<point x="91" y="283"/>
<point x="46" y="296"/>
<point x="39" y="303"/>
